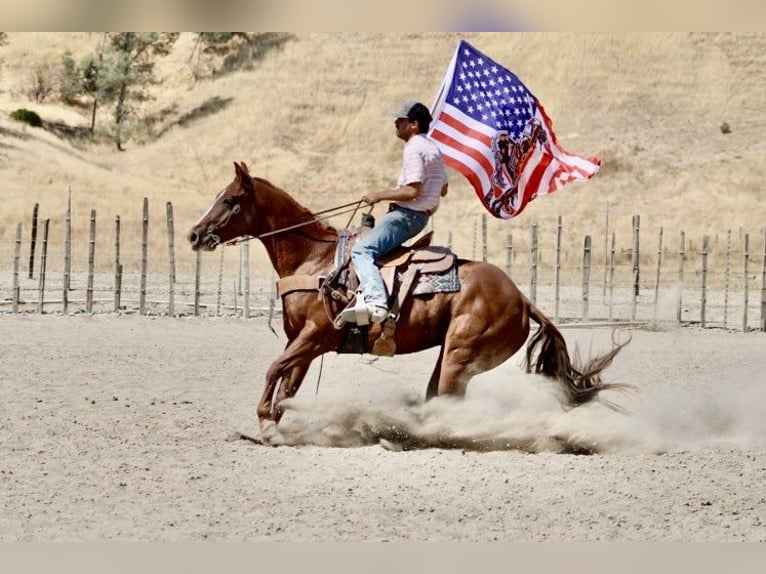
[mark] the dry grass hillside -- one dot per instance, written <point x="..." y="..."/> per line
<point x="310" y="115"/>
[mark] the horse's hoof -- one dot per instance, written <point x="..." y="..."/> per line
<point x="270" y="434"/>
<point x="390" y="446"/>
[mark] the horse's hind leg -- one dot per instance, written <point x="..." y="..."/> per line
<point x="464" y="356"/>
<point x="433" y="383"/>
<point x="456" y="372"/>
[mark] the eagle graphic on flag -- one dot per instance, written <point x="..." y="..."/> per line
<point x="495" y="132"/>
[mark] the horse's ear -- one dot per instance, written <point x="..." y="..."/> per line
<point x="241" y="169"/>
<point x="243" y="176"/>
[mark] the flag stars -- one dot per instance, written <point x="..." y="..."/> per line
<point x="484" y="89"/>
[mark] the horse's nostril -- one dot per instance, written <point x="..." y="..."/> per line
<point x="193" y="238"/>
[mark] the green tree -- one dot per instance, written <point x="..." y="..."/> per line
<point x="126" y="72"/>
<point x="78" y="80"/>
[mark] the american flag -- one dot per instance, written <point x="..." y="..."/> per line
<point x="492" y="129"/>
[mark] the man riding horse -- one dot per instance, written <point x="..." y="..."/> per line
<point x="422" y="182"/>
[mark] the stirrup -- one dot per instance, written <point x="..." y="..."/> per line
<point x="378" y="314"/>
<point x="363" y="314"/>
<point x="356" y="313"/>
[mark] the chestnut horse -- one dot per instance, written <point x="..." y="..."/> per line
<point x="477" y="328"/>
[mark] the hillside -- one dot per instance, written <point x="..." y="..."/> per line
<point x="311" y="116"/>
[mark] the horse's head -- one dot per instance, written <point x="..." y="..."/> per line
<point x="229" y="216"/>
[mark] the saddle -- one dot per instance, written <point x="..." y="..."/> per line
<point x="406" y="271"/>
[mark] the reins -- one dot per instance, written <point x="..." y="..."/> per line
<point x="333" y="211"/>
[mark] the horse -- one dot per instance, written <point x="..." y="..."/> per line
<point x="477" y="328"/>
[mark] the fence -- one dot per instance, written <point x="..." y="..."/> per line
<point x="701" y="282"/>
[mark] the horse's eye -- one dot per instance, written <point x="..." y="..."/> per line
<point x="228" y="203"/>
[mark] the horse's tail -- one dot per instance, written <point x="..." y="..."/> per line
<point x="580" y="384"/>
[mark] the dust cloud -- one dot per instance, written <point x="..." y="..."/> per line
<point x="507" y="409"/>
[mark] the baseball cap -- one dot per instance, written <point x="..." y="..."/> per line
<point x="414" y="111"/>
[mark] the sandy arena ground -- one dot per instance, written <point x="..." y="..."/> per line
<point x="120" y="428"/>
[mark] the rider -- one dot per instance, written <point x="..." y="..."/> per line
<point x="422" y="181"/>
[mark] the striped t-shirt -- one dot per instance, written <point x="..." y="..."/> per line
<point x="422" y="162"/>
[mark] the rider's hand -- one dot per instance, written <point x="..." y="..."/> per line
<point x="371" y="198"/>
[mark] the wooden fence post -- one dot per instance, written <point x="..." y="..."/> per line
<point x="533" y="264"/>
<point x="635" y="257"/>
<point x="33" y="240"/>
<point x="473" y="247"/>
<point x="172" y="260"/>
<point x="246" y="270"/>
<point x="43" y="261"/>
<point x="272" y="296"/>
<point x="703" y="298"/>
<point x="680" y="281"/>
<point x="67" y="252"/>
<point x="586" y="257"/>
<point x="726" y="277"/>
<point x="508" y="253"/>
<point x="117" y="265"/>
<point x="657" y="277"/>
<point x="611" y="279"/>
<point x="144" y="257"/>
<point x="746" y="295"/>
<point x="239" y="272"/>
<point x="606" y="247"/>
<point x="763" y="285"/>
<point x="484" y="237"/>
<point x="16" y="257"/>
<point x="197" y="265"/>
<point x="91" y="261"/>
<point x="636" y="254"/>
<point x="220" y="283"/>
<point x="449" y="239"/>
<point x="557" y="279"/>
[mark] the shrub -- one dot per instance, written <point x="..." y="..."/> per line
<point x="28" y="117"/>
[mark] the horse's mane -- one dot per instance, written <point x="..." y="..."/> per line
<point x="323" y="231"/>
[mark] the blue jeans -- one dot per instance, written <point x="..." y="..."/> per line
<point x="396" y="227"/>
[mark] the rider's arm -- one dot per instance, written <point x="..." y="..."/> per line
<point x="404" y="193"/>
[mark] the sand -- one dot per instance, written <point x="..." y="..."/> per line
<point x="125" y="428"/>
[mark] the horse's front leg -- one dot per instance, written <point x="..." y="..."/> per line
<point x="290" y="369"/>
<point x="288" y="387"/>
